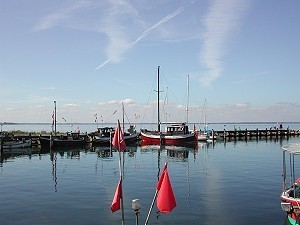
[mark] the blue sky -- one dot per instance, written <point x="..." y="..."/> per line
<point x="242" y="58"/>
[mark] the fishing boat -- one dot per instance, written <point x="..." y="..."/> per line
<point x="290" y="196"/>
<point x="175" y="134"/>
<point x="64" y="140"/>
<point x="17" y="144"/>
<point x="104" y="135"/>
<point x="69" y="139"/>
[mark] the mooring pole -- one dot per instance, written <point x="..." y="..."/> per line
<point x="1" y="145"/>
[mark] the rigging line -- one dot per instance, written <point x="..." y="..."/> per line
<point x="203" y="113"/>
<point x="152" y="88"/>
<point x="127" y="117"/>
<point x="168" y="85"/>
<point x="111" y="115"/>
<point x="181" y="113"/>
<point x="165" y="104"/>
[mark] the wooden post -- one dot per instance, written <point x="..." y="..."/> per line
<point x="1" y="146"/>
<point x="234" y="134"/>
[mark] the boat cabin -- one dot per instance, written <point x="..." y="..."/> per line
<point x="71" y="136"/>
<point x="105" y="131"/>
<point x="294" y="191"/>
<point x="177" y="128"/>
<point x="131" y="129"/>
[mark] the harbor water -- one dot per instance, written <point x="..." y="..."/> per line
<point x="222" y="183"/>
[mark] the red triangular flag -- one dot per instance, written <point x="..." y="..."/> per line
<point x="118" y="140"/>
<point x="165" y="200"/>
<point x="115" y="205"/>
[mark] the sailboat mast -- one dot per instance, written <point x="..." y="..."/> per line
<point x="158" y="116"/>
<point x="188" y="96"/>
<point x="123" y="115"/>
<point x="55" y="118"/>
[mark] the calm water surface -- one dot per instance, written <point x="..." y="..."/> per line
<point x="225" y="183"/>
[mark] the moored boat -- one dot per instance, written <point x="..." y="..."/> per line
<point x="175" y="134"/>
<point x="103" y="136"/>
<point x="17" y="144"/>
<point x="290" y="196"/>
<point x="64" y="140"/>
<point x="69" y="139"/>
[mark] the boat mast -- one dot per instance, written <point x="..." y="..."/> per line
<point x="158" y="116"/>
<point x="188" y="96"/>
<point x="123" y="115"/>
<point x="55" y="118"/>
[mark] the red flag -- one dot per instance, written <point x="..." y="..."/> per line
<point x="161" y="177"/>
<point x="115" y="205"/>
<point x="165" y="200"/>
<point x="118" y="140"/>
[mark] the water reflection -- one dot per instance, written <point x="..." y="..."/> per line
<point x="18" y="152"/>
<point x="53" y="159"/>
<point x="203" y="178"/>
<point x="103" y="152"/>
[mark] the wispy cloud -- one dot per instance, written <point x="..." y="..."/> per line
<point x="220" y="22"/>
<point x="162" y="21"/>
<point x="71" y="105"/>
<point x="124" y="23"/>
<point x="118" y="46"/>
<point x="60" y="15"/>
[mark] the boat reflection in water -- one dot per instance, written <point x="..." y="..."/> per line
<point x="103" y="152"/>
<point x="106" y="152"/>
<point x="68" y="153"/>
<point x="18" y="152"/>
<point x="172" y="151"/>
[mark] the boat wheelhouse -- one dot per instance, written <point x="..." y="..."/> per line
<point x="290" y="196"/>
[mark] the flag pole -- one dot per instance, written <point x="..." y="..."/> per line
<point x="155" y="195"/>
<point x="119" y="144"/>
<point x="121" y="177"/>
<point x="151" y="207"/>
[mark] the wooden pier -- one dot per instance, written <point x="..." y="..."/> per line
<point x="223" y="135"/>
<point x="255" y="134"/>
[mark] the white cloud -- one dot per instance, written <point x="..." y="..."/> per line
<point x="128" y="101"/>
<point x="71" y="105"/>
<point x="61" y="15"/>
<point x="119" y="42"/>
<point x="220" y="22"/>
<point x="112" y="102"/>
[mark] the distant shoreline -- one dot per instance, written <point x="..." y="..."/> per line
<point x="83" y="123"/>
